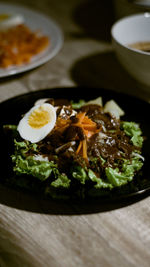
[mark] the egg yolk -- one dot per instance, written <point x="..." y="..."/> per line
<point x="39" y="118"/>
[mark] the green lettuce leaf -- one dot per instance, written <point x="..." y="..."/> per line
<point x="133" y="130"/>
<point x="58" y="189"/>
<point x="131" y="167"/>
<point x="61" y="179"/>
<point x="77" y="105"/>
<point x="83" y="175"/>
<point x="80" y="174"/>
<point x="24" y="147"/>
<point x="39" y="169"/>
<point x="118" y="178"/>
<point x="99" y="183"/>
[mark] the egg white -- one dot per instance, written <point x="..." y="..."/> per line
<point x="40" y="101"/>
<point x="35" y="135"/>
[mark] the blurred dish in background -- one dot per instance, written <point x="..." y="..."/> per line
<point x="18" y="44"/>
<point x="126" y="32"/>
<point x="28" y="39"/>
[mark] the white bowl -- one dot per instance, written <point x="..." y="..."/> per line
<point x="129" y="30"/>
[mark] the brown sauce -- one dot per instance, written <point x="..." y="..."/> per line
<point x="143" y="46"/>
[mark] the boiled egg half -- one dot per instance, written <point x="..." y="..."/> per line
<point x="37" y="123"/>
<point x="10" y="20"/>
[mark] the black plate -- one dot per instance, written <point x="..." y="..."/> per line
<point x="135" y="110"/>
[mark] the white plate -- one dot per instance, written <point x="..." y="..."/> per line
<point x="36" y="21"/>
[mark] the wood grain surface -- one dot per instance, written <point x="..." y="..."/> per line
<point x="35" y="232"/>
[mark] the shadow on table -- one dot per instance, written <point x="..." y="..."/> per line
<point x="95" y="18"/>
<point x="103" y="70"/>
<point x="33" y="203"/>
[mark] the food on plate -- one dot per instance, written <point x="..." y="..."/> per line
<point x="18" y="43"/>
<point x="75" y="149"/>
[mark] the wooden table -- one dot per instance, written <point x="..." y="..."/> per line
<point x="41" y="233"/>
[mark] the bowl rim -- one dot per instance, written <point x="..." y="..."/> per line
<point x="134" y="50"/>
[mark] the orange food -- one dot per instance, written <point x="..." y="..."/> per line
<point x="19" y="44"/>
<point x="88" y="127"/>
